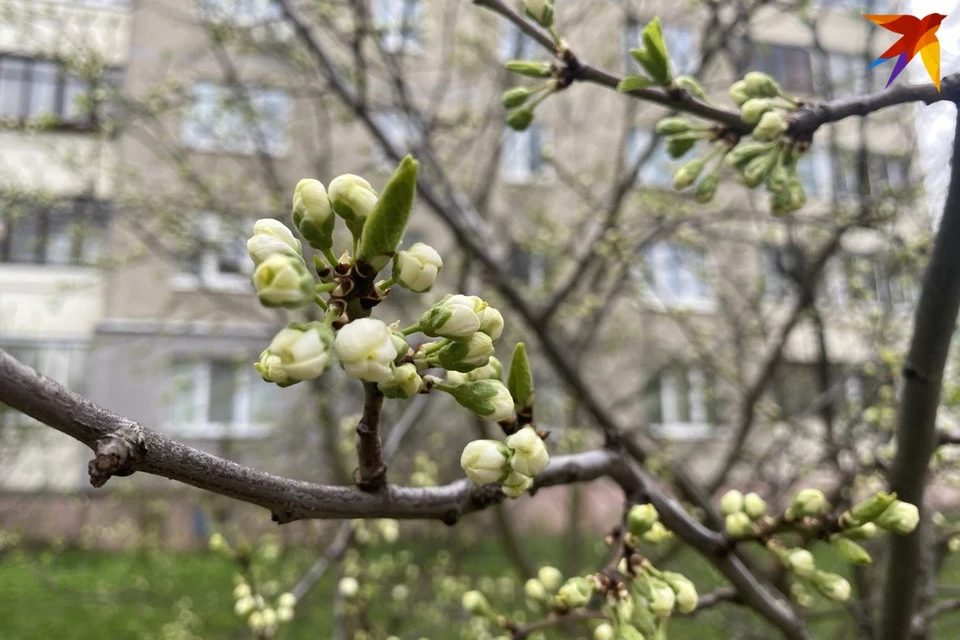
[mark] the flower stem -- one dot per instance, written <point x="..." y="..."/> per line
<point x="383" y="285"/>
<point x="411" y="329"/>
<point x="325" y="287"/>
<point x="320" y="301"/>
<point x="332" y="314"/>
<point x="332" y="259"/>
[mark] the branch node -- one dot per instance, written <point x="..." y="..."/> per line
<point x="117" y="454"/>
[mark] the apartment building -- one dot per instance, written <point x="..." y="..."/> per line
<point x="165" y="330"/>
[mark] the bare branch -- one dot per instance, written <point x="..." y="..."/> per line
<point x="371" y="475"/>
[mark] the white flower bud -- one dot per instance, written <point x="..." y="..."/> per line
<point x="900" y="517"/>
<point x="298" y="352"/>
<point x="808" y="502"/>
<point x="491" y="323"/>
<point x="801" y="562"/>
<point x="269" y="617"/>
<point x="603" y="632"/>
<point x="493" y="370"/>
<point x="389" y="530"/>
<point x="535" y="590"/>
<point x="754" y="506"/>
<point x="348" y="587"/>
<point x="453" y="317"/>
<point x="485" y="461"/>
<point x="352" y="199"/>
<point x="365" y="349"/>
<point x="255" y="621"/>
<point x="218" y="543"/>
<point x="313" y="214"/>
<point x="516" y="484"/>
<point x="487" y="399"/>
<point x="244" y="605"/>
<point x="404" y="384"/>
<point x="832" y="586"/>
<point x="242" y="590"/>
<point x="271" y="237"/>
<point x="731" y="502"/>
<point x="285" y="614"/>
<point x="738" y="525"/>
<point x="550" y="577"/>
<point x="771" y="126"/>
<point x="475" y="603"/>
<point x="417" y="267"/>
<point x="662" y="598"/>
<point x="530" y="455"/>
<point x="400" y="593"/>
<point x="286" y="600"/>
<point x="283" y="281"/>
<point x="464" y="355"/>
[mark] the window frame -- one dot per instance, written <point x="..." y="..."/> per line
<point x="532" y="165"/>
<point x="664" y="398"/>
<point x="204" y="129"/>
<point x="654" y="292"/>
<point x="208" y="276"/>
<point x="403" y="36"/>
<point x="79" y="212"/>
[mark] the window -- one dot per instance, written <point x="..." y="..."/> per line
<point x="516" y="45"/>
<point x="219" y="398"/>
<point x="789" y="65"/>
<point x="776" y="265"/>
<point x="681" y="403"/>
<point x="680" y="42"/>
<point x="397" y="21"/>
<point x="676" y="275"/>
<point x="657" y="170"/>
<point x="215" y="254"/>
<point x="848" y="74"/>
<point x="888" y="174"/>
<point x="870" y="278"/>
<point x="528" y="267"/>
<point x="246" y="13"/>
<point x="31" y="89"/>
<point x="65" y="232"/>
<point x="798" y="391"/>
<point x="236" y="120"/>
<point x="62" y="362"/>
<point x="522" y="153"/>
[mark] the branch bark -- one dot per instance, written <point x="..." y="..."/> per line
<point x="933" y="329"/>
<point x="371" y="475"/>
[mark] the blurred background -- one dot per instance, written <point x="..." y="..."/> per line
<point x="140" y="139"/>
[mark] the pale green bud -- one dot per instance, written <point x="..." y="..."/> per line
<point x="630" y="632"/>
<point x="662" y="597"/>
<point x="298" y="352"/>
<point x="417" y="268"/>
<point x="272" y="237"/>
<point x="671" y="126"/>
<point x="772" y="125"/>
<point x="731" y="502"/>
<point x="832" y="586"/>
<point x="353" y="199"/>
<point x="269" y="617"/>
<point x="900" y="517"/>
<point x="366" y="350"/>
<point x="641" y="518"/>
<point x="530" y="455"/>
<point x="464" y="355"/>
<point x="283" y="281"/>
<point x="850" y="551"/>
<point x="678" y="145"/>
<point x="530" y="68"/>
<point x="218" y="543"/>
<point x="516" y="484"/>
<point x="738" y="525"/>
<point x="242" y="590"/>
<point x="244" y="605"/>
<point x="744" y="152"/>
<point x="256" y="621"/>
<point x="491" y="323"/>
<point x="520" y="378"/>
<point x="493" y="370"/>
<point x="287" y="600"/>
<point x="487" y="399"/>
<point x="760" y="85"/>
<point x="953" y="545"/>
<point x="575" y="592"/>
<point x="863" y="532"/>
<point x="867" y="510"/>
<point x="405" y="384"/>
<point x="550" y="577"/>
<point x="514" y="97"/>
<point x="738" y="93"/>
<point x="520" y="119"/>
<point x="453" y="317"/>
<point x="707" y="188"/>
<point x="757" y="169"/>
<point x="541" y="11"/>
<point x="657" y="534"/>
<point x="603" y="631"/>
<point x="753" y="109"/>
<point x="535" y="590"/>
<point x="485" y="461"/>
<point x="684" y="589"/>
<point x="285" y="614"/>
<point x="800" y="562"/>
<point x="754" y="506"/>
<point x="691" y="85"/>
<point x="387" y="222"/>
<point x="400" y="343"/>
<point x="808" y="502"/>
<point x="687" y="174"/>
<point x="312" y="213"/>
<point x="475" y="603"/>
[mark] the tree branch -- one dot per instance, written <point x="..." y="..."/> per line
<point x="933" y="329"/>
<point x="371" y="475"/>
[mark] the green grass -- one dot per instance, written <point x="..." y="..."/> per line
<point x="84" y="594"/>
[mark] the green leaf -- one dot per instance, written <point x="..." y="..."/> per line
<point x="384" y="228"/>
<point x="634" y="83"/>
<point x="520" y="378"/>
<point x="657" y="65"/>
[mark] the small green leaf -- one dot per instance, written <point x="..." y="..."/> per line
<point x="634" y="83"/>
<point x="658" y="64"/>
<point x="530" y="68"/>
<point x="691" y="85"/>
<point x="384" y="228"/>
<point x="520" y="378"/>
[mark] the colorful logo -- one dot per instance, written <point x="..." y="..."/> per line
<point x="919" y="35"/>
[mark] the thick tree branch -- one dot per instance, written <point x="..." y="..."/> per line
<point x="933" y="329"/>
